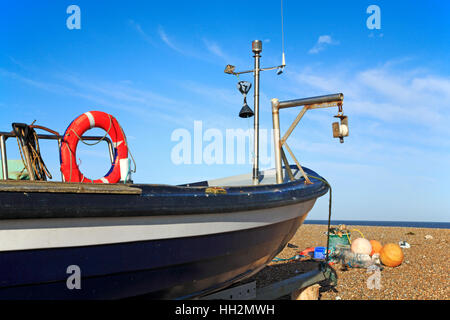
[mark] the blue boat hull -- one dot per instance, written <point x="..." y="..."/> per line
<point x="165" y="242"/>
<point x="157" y="269"/>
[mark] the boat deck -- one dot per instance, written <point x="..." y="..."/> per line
<point x="66" y="187"/>
<point x="267" y="177"/>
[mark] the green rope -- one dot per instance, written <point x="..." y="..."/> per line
<point x="297" y="256"/>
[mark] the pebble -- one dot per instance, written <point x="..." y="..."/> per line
<point x="424" y="275"/>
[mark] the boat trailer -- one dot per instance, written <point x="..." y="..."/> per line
<point x="249" y="291"/>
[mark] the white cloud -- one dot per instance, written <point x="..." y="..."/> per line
<point x="142" y="102"/>
<point x="139" y="29"/>
<point x="398" y="117"/>
<point x="223" y="96"/>
<point x="322" y="43"/>
<point x="184" y="48"/>
<point x="215" y="49"/>
<point x="190" y="50"/>
<point x="166" y="40"/>
<point x="325" y="39"/>
<point x="398" y="149"/>
<point x="387" y="93"/>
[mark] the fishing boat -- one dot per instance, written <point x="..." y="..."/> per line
<point x="110" y="238"/>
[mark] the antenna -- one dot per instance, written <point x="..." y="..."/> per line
<point x="283" y="60"/>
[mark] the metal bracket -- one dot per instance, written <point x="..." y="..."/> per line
<point x="5" y="135"/>
<point x="243" y="292"/>
<point x="327" y="101"/>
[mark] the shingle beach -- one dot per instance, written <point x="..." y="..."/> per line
<point x="423" y="275"/>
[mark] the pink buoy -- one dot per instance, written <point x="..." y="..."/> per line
<point x="361" y="245"/>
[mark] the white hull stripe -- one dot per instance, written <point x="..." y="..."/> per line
<point x="28" y="234"/>
<point x="104" y="180"/>
<point x="91" y="119"/>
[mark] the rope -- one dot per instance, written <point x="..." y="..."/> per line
<point x="93" y="144"/>
<point x="329" y="213"/>
<point x="297" y="256"/>
<point x="329" y="226"/>
<point x="37" y="164"/>
<point x="350" y="241"/>
<point x="359" y="232"/>
<point x="40" y="165"/>
<point x="89" y="144"/>
<point x="329" y="222"/>
<point x="131" y="155"/>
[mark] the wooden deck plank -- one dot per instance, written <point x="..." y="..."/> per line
<point x="66" y="187"/>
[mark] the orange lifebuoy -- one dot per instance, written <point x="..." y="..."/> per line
<point x="76" y="129"/>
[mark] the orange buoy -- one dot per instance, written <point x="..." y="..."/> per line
<point x="361" y="246"/>
<point x="376" y="246"/>
<point x="391" y="255"/>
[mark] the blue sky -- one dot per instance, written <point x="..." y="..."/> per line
<point x="158" y="66"/>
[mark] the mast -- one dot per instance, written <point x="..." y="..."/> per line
<point x="244" y="88"/>
<point x="256" y="48"/>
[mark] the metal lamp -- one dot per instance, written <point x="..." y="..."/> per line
<point x="246" y="111"/>
<point x="244" y="87"/>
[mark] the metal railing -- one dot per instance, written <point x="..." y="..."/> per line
<point x="5" y="135"/>
<point x="327" y="101"/>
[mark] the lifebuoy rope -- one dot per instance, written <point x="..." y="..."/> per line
<point x="88" y="144"/>
<point x="92" y="144"/>
<point x="129" y="151"/>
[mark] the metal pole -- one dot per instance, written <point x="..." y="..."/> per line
<point x="256" y="48"/>
<point x="4" y="160"/>
<point x="337" y="97"/>
<point x="111" y="151"/>
<point x="59" y="152"/>
<point x="276" y="139"/>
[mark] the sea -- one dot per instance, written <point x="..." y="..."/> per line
<point x="413" y="224"/>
